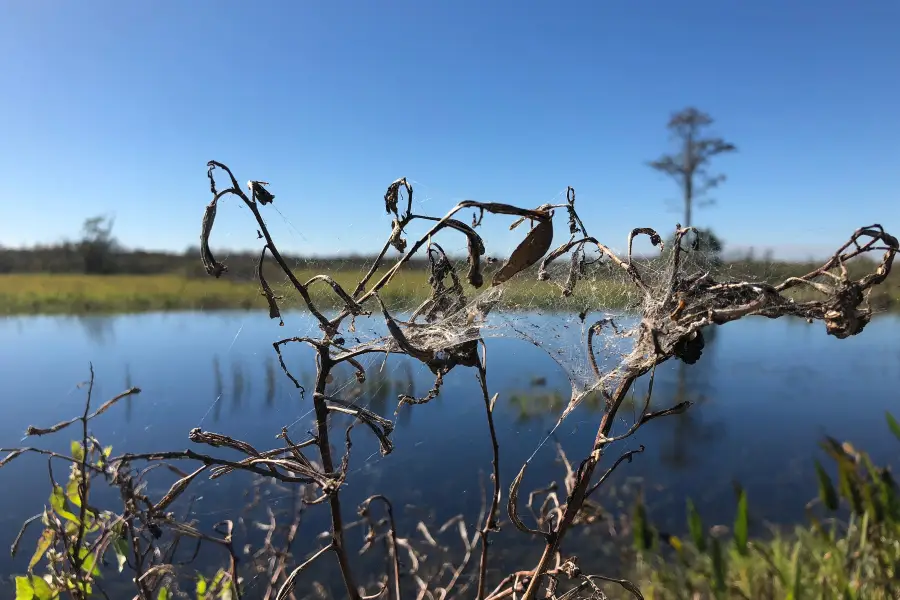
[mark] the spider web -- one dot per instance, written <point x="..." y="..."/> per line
<point x="586" y="329"/>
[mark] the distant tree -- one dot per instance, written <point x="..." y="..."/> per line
<point x="688" y="166"/>
<point x="98" y="246"/>
<point x="706" y="248"/>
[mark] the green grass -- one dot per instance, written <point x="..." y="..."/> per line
<point x="52" y="293"/>
<point x="850" y="548"/>
<point x="48" y="293"/>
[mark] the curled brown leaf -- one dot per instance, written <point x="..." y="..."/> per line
<point x="532" y="248"/>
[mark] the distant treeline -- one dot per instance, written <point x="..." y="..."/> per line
<point x="79" y="257"/>
<point x="76" y="258"/>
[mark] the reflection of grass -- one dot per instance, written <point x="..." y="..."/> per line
<point x="536" y="403"/>
<point x="79" y="294"/>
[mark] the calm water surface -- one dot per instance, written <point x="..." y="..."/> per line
<point x="765" y="393"/>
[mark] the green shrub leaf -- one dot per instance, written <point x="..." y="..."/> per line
<point x="742" y="524"/>
<point x="696" y="527"/>
<point x="643" y="533"/>
<point x="42" y="589"/>
<point x="120" y="547"/>
<point x="893" y="424"/>
<point x="827" y="493"/>
<point x="58" y="502"/>
<point x="43" y="544"/>
<point x="796" y="569"/>
<point x="718" y="564"/>
<point x="77" y="451"/>
<point x="88" y="561"/>
<point x="24" y="589"/>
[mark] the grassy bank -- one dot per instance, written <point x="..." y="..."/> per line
<point x="63" y="293"/>
<point x="48" y="293"/>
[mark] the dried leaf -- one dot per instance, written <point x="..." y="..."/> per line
<point x="274" y="312"/>
<point x="513" y="510"/>
<point x="635" y="590"/>
<point x="212" y="266"/>
<point x="261" y="194"/>
<point x="532" y="248"/>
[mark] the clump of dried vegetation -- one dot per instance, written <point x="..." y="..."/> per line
<point x="142" y="535"/>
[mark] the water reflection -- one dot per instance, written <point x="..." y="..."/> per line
<point x="129" y="400"/>
<point x="686" y="435"/>
<point x="271" y="382"/>
<point x="218" y="390"/>
<point x="689" y="433"/>
<point x="763" y="391"/>
<point x="100" y="329"/>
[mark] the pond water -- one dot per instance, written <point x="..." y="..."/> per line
<point x="766" y="391"/>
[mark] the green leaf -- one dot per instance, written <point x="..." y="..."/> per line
<point x="44" y="542"/>
<point x="742" y="524"/>
<point x="891" y="498"/>
<point x="893" y="424"/>
<point x="107" y="451"/>
<point x="72" y="492"/>
<point x="827" y="493"/>
<point x="796" y="569"/>
<point x="88" y="561"/>
<point x="24" y="589"/>
<point x="217" y="580"/>
<point x="58" y="502"/>
<point x="77" y="451"/>
<point x="696" y="527"/>
<point x="201" y="586"/>
<point x="848" y="483"/>
<point x="120" y="547"/>
<point x="871" y="490"/>
<point x="863" y="533"/>
<point x="163" y="594"/>
<point x="42" y="589"/>
<point x="643" y="532"/>
<point x="718" y="564"/>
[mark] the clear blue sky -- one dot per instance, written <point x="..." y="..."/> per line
<point x="115" y="107"/>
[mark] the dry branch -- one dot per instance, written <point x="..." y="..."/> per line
<point x="673" y="316"/>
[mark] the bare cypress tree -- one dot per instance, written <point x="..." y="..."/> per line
<point x="688" y="167"/>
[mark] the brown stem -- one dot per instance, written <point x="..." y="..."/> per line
<point x="490" y="522"/>
<point x="337" y="522"/>
<point x="375" y="264"/>
<point x="392" y="539"/>
<point x="582" y="484"/>
<point x="83" y="485"/>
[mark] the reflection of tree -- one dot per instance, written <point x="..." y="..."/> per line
<point x="99" y="329"/>
<point x="689" y="430"/>
<point x="380" y="390"/>
<point x="271" y="381"/>
<point x="404" y="384"/>
<point x="238" y="385"/>
<point x="129" y="399"/>
<point x="218" y="389"/>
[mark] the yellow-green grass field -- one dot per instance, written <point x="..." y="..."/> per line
<point x="49" y="293"/>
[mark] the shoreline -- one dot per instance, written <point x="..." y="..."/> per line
<point x="85" y="295"/>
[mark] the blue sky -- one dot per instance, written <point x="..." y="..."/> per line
<point x="115" y="107"/>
